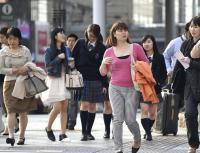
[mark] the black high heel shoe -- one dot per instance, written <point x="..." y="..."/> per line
<point x="134" y="150"/>
<point x="10" y="141"/>
<point x="21" y="141"/>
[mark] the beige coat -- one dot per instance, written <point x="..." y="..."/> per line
<point x="19" y="84"/>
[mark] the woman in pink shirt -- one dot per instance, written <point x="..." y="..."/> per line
<point x="123" y="96"/>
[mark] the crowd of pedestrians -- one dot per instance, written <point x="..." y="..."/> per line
<point x="113" y="74"/>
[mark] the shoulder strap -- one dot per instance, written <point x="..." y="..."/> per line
<point x="133" y="56"/>
<point x="182" y="38"/>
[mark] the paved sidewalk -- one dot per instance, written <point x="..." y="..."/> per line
<point x="37" y="142"/>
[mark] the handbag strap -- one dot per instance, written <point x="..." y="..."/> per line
<point x="133" y="57"/>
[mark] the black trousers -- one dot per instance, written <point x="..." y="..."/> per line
<point x="191" y="115"/>
<point x="72" y="112"/>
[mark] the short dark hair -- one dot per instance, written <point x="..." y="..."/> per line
<point x="153" y="39"/>
<point x="14" y="31"/>
<point x="196" y="21"/>
<point x="4" y="30"/>
<point x="72" y="35"/>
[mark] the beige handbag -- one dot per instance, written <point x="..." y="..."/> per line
<point x="74" y="80"/>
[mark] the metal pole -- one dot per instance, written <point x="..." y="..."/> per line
<point x="194" y="6"/>
<point x="181" y="11"/>
<point x="170" y="27"/>
<point x="157" y="11"/>
<point x="99" y="13"/>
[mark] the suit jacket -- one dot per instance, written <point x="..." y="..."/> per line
<point x="159" y="71"/>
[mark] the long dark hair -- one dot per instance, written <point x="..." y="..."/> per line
<point x="155" y="48"/>
<point x="53" y="39"/>
<point x="96" y="30"/>
<point x="111" y="40"/>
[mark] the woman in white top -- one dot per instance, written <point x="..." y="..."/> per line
<point x="57" y="66"/>
<point x="12" y="60"/>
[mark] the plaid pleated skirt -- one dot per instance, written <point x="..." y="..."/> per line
<point x="92" y="92"/>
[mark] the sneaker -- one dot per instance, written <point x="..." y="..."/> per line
<point x="50" y="135"/>
<point x="192" y="150"/>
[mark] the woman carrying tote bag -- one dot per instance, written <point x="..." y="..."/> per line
<point x="12" y="60"/>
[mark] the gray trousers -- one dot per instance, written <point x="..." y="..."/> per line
<point x="124" y="102"/>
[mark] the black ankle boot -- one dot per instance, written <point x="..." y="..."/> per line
<point x="10" y="141"/>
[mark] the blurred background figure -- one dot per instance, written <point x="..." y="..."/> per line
<point x="157" y="63"/>
<point x="73" y="103"/>
<point x="188" y="83"/>
<point x="174" y="46"/>
<point x="3" y="42"/>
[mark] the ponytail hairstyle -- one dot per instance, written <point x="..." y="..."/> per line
<point x="96" y="30"/>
